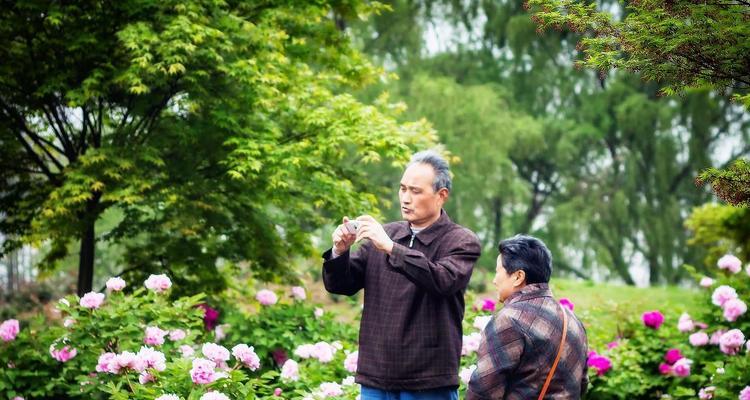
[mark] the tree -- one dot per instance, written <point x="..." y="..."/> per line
<point x="219" y="130"/>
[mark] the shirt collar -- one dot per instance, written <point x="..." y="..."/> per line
<point x="428" y="234"/>
<point x="528" y="292"/>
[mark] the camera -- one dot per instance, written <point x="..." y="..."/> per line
<point x="352" y="226"/>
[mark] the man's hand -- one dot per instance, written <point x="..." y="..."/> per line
<point x="371" y="229"/>
<point x="343" y="237"/>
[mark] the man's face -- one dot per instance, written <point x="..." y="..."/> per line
<point x="504" y="283"/>
<point x="420" y="204"/>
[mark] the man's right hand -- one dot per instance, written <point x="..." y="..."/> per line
<point x="343" y="237"/>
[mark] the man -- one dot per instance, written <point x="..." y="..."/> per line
<point x="414" y="274"/>
<point x="520" y="344"/>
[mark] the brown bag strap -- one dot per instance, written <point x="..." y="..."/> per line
<point x="559" y="352"/>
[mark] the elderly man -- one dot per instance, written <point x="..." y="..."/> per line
<point x="533" y="348"/>
<point x="414" y="273"/>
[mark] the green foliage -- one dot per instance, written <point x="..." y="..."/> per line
<point x="722" y="230"/>
<point x="732" y="184"/>
<point x="217" y="129"/>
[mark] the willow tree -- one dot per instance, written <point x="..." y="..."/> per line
<point x="216" y="129"/>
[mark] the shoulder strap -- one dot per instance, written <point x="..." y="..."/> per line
<point x="559" y="352"/>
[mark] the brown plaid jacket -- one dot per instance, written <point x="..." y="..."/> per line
<point x="410" y="334"/>
<point x="520" y="344"/>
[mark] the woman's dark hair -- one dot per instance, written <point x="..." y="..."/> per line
<point x="529" y="254"/>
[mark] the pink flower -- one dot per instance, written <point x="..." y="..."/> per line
<point x="471" y="343"/>
<point x="63" y="355"/>
<point x="126" y="360"/>
<point x="277" y="391"/>
<point x="481" y="321"/>
<point x="210" y="316"/>
<point x="9" y="330"/>
<point x="115" y="284"/>
<point x="330" y="389"/>
<point x="103" y="365"/>
<point x="465" y="373"/>
<point x="722" y="294"/>
<point x="168" y="397"/>
<point x="92" y="300"/>
<point x="266" y="297"/>
<point x="154" y="336"/>
<point x="318" y="312"/>
<point x="298" y="293"/>
<point x="68" y="322"/>
<point x="612" y="345"/>
<point x="488" y="305"/>
<point x="567" y="303"/>
<point x="152" y="358"/>
<point x="731" y="341"/>
<point x="682" y="367"/>
<point x="18" y="398"/>
<point x="730" y="263"/>
<point x="158" y="283"/>
<point x="716" y="336"/>
<point x="350" y="363"/>
<point x="290" y="371"/>
<point x="653" y="319"/>
<point x="246" y="355"/>
<point x="186" y="351"/>
<point x="215" y="352"/>
<point x="214" y="396"/>
<point x="304" y="351"/>
<point x="665" y="369"/>
<point x="220" y="333"/>
<point x="706" y="393"/>
<point x="600" y="363"/>
<point x="706" y="282"/>
<point x="323" y="352"/>
<point x="698" y="339"/>
<point x="733" y="308"/>
<point x="745" y="393"/>
<point x="203" y="371"/>
<point x="177" y="334"/>
<point x="672" y="356"/>
<point x="145" y="378"/>
<point x="685" y="324"/>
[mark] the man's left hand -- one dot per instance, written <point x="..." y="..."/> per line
<point x="371" y="229"/>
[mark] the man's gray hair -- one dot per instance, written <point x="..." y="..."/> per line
<point x="438" y="163"/>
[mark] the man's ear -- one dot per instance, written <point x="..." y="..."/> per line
<point x="521" y="278"/>
<point x="443" y="193"/>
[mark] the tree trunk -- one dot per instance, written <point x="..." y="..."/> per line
<point x="88" y="247"/>
<point x="497" y="209"/>
<point x="12" y="271"/>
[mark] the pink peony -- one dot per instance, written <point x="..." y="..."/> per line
<point x="685" y="324"/>
<point x="672" y="356"/>
<point x="465" y="373"/>
<point x="653" y="319"/>
<point x="92" y="300"/>
<point x="115" y="284"/>
<point x="730" y="263"/>
<point x="745" y="393"/>
<point x="168" y="397"/>
<point x="600" y="363"/>
<point x="722" y="294"/>
<point x="716" y="336"/>
<point x="318" y="312"/>
<point x="63" y="355"/>
<point x="68" y="322"/>
<point x="682" y="367"/>
<point x="350" y="363"/>
<point x="210" y="316"/>
<point x="298" y="293"/>
<point x="470" y="343"/>
<point x="246" y="355"/>
<point x="126" y="360"/>
<point x="665" y="369"/>
<point x="177" y="334"/>
<point x="731" y="341"/>
<point x="214" y="396"/>
<point x="277" y="392"/>
<point x="488" y="305"/>
<point x="567" y="303"/>
<point x="158" y="283"/>
<point x="152" y="358"/>
<point x="706" y="393"/>
<point x="203" y="371"/>
<point x="706" y="282"/>
<point x="186" y="351"/>
<point x="220" y="332"/>
<point x="215" y="352"/>
<point x="105" y="362"/>
<point x="9" y="330"/>
<point x="290" y="371"/>
<point x="733" y="308"/>
<point x="154" y="336"/>
<point x="699" y="339"/>
<point x="323" y="352"/>
<point x="145" y="377"/>
<point x="330" y="389"/>
<point x="304" y="351"/>
<point x="266" y="297"/>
